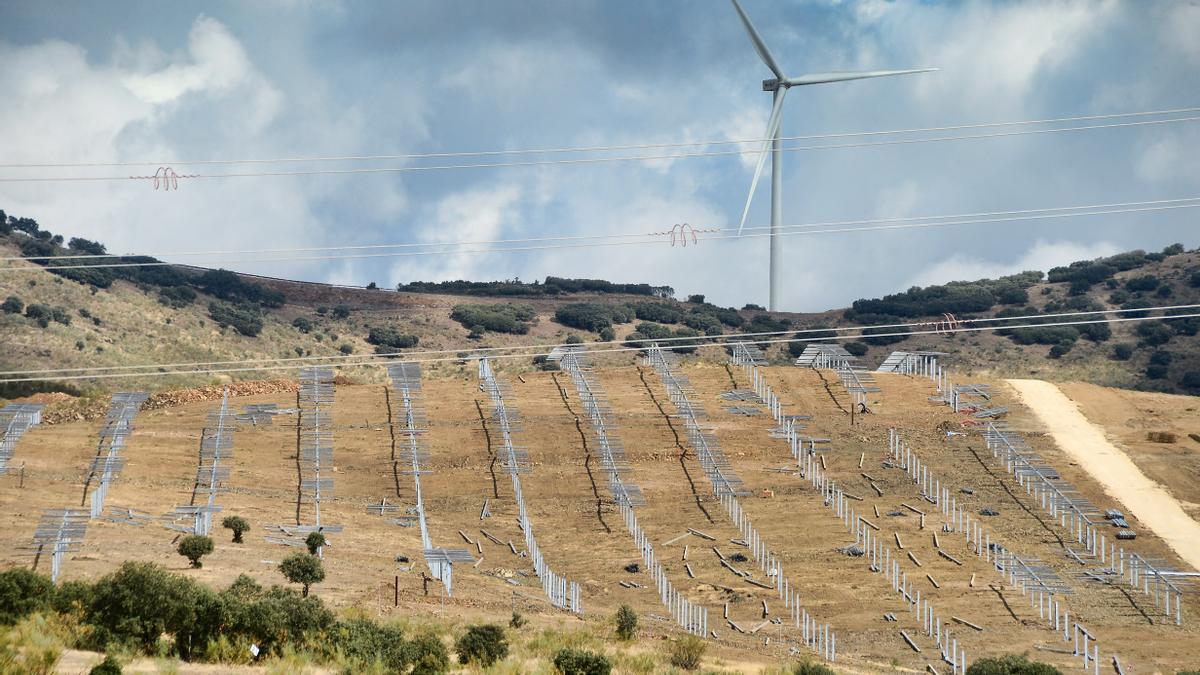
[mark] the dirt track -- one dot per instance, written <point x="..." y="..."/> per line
<point x="1112" y="468"/>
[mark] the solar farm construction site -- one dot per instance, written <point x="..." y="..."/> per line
<point x="903" y="517"/>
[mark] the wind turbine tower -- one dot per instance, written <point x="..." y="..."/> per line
<point x="779" y="86"/>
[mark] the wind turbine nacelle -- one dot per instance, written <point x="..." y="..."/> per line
<point x="771" y="84"/>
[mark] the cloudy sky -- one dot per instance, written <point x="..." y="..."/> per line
<point x="109" y="82"/>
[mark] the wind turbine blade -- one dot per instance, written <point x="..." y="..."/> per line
<point x="759" y="45"/>
<point x="822" y="78"/>
<point x="772" y="127"/>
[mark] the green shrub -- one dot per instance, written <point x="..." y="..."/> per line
<point x="1147" y="282"/>
<point x="109" y="666"/>
<point x="592" y="316"/>
<point x="314" y="542"/>
<point x="1161" y="358"/>
<point x="1194" y="280"/>
<point x="302" y="324"/>
<point x="176" y="296"/>
<point x="498" y="318"/>
<point x="390" y="338"/>
<point x="137" y="604"/>
<point x="484" y="644"/>
<point x="1190" y="381"/>
<point x="1156" y="372"/>
<point x="1096" y="332"/>
<point x="518" y="620"/>
<point x="1044" y="335"/>
<point x="238" y="524"/>
<point x="341" y="312"/>
<point x="687" y="652"/>
<point x="304" y="569"/>
<point x="227" y="285"/>
<point x="366" y="642"/>
<point x="428" y="656"/>
<point x="1122" y="351"/>
<point x="627" y="622"/>
<point x="346" y="349"/>
<point x="1060" y="350"/>
<point x="23" y="592"/>
<point x="1154" y="333"/>
<point x="582" y="662"/>
<point x="1010" y="664"/>
<point x="657" y="311"/>
<point x="245" y="319"/>
<point x="194" y="547"/>
<point x="607" y="334"/>
<point x="856" y="348"/>
<point x="13" y="305"/>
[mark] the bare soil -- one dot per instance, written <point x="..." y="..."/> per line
<point x="580" y="531"/>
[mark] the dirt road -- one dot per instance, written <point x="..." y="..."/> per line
<point x="1121" y="478"/>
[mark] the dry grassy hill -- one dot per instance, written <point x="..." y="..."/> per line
<point x="140" y="319"/>
<point x="581" y="533"/>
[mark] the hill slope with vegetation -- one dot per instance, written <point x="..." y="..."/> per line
<point x="54" y="316"/>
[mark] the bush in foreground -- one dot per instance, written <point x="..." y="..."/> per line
<point x="627" y="622"/>
<point x="1011" y="664"/>
<point x="23" y="592"/>
<point x="581" y="662"/>
<point x="484" y="644"/>
<point x="687" y="652"/>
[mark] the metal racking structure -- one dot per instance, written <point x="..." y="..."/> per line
<point x="212" y="472"/>
<point x="1074" y="512"/>
<point x="406" y="379"/>
<point x="15" y="420"/>
<point x="314" y="457"/>
<point x="107" y="464"/>
<point x="562" y="592"/>
<point x="855" y="378"/>
<point x="62" y="531"/>
<point x="728" y="487"/>
<point x="921" y="364"/>
<point x="878" y="553"/>
<point x="692" y="616"/>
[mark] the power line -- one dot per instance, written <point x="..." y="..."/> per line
<point x="788" y="230"/>
<point x="601" y="148"/>
<point x="593" y="160"/>
<point x="624" y="235"/>
<point x="714" y="340"/>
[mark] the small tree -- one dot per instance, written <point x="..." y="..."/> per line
<point x="194" y="547"/>
<point x="483" y="644"/>
<point x="238" y="524"/>
<point x="626" y="622"/>
<point x="315" y="541"/>
<point x="304" y="569"/>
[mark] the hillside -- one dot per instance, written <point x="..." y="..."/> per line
<point x="176" y="314"/>
<point x="370" y="565"/>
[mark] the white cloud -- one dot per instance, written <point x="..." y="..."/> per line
<point x="1041" y="257"/>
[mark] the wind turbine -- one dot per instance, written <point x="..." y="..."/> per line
<point x="779" y="86"/>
